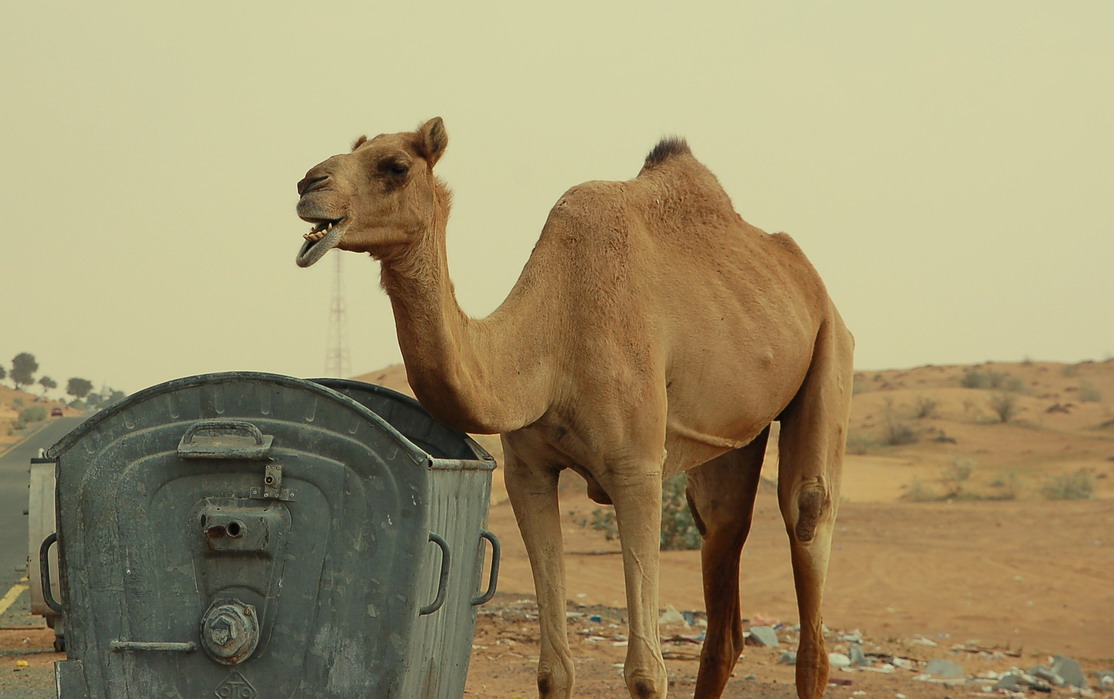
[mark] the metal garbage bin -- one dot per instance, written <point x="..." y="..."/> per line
<point x="248" y="534"/>
<point x="40" y="524"/>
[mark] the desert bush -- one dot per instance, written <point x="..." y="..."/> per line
<point x="860" y="385"/>
<point x="990" y="379"/>
<point x="898" y="433"/>
<point x="1004" y="405"/>
<point x="1088" y="393"/>
<point x="954" y="478"/>
<point x="1007" y="487"/>
<point x="954" y="486"/>
<point x="678" y="528"/>
<point x="895" y="430"/>
<point x="1079" y="485"/>
<point x="600" y="520"/>
<point x="919" y="492"/>
<point x="973" y="378"/>
<point x="859" y="442"/>
<point x="36" y="413"/>
<point x="1069" y="371"/>
<point x="925" y="407"/>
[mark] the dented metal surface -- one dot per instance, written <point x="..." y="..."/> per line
<point x="278" y="526"/>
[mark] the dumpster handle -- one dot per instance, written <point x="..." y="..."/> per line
<point x="44" y="572"/>
<point x="209" y="439"/>
<point x="442" y="580"/>
<point x="494" y="577"/>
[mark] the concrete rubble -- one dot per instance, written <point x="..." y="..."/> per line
<point x="762" y="636"/>
<point x="925" y="660"/>
<point x="939" y="667"/>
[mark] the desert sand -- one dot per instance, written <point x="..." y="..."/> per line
<point x="948" y="546"/>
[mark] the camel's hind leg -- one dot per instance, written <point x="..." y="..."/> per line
<point x="721" y="496"/>
<point x="810" y="452"/>
<point x="533" y="495"/>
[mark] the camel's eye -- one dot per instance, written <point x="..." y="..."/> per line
<point x="395" y="167"/>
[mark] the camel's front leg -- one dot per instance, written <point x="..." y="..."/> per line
<point x="637" y="500"/>
<point x="533" y="494"/>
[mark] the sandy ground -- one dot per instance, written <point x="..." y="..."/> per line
<point x="988" y="585"/>
<point x="993" y="577"/>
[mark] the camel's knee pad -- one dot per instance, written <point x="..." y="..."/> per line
<point x="813" y="504"/>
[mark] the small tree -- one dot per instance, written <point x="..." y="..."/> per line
<point x="24" y="367"/>
<point x="79" y="388"/>
<point x="954" y="478"/>
<point x="678" y="528"/>
<point x="3" y="373"/>
<point x="926" y="407"/>
<point x="48" y="384"/>
<point x="105" y="397"/>
<point x="1004" y="405"/>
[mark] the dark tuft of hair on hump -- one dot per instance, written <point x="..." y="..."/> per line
<point x="667" y="148"/>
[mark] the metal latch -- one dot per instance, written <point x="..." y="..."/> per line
<point x="272" y="485"/>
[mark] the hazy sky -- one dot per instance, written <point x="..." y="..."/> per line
<point x="947" y="166"/>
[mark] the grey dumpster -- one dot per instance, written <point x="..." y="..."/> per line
<point x="41" y="523"/>
<point x="250" y="534"/>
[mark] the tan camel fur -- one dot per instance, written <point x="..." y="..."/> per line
<point x="652" y="331"/>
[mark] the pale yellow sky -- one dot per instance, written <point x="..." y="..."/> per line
<point x="947" y="166"/>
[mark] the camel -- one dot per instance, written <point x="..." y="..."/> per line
<point x="652" y="331"/>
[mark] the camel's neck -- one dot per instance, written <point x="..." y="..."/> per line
<point x="481" y="376"/>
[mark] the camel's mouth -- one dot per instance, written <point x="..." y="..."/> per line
<point x="323" y="237"/>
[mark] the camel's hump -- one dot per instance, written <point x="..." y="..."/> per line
<point x="665" y="149"/>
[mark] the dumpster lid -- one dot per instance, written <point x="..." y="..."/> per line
<point x="435" y="441"/>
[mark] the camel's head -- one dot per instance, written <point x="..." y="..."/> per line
<point x="378" y="196"/>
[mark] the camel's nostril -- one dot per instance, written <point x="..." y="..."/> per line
<point x="311" y="182"/>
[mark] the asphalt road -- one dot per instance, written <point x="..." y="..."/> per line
<point x="14" y="480"/>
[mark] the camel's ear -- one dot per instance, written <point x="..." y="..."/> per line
<point x="434" y="140"/>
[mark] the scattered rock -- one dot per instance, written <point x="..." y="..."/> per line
<point x="1011" y="682"/>
<point x="855" y="636"/>
<point x="1104" y="680"/>
<point x="762" y="636"/>
<point x="858" y="657"/>
<point x="1069" y="670"/>
<point x="1047" y="674"/>
<point x="938" y="667"/>
<point x="788" y="657"/>
<point x="1017" y="681"/>
<point x="695" y="618"/>
<point x="672" y="616"/>
<point x="838" y="660"/>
